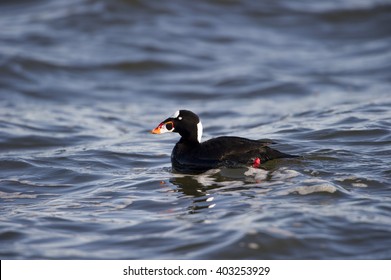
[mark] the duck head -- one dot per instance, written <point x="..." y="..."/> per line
<point x="184" y="122"/>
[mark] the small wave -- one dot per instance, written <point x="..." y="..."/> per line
<point x="313" y="186"/>
<point x="16" y="195"/>
<point x="284" y="181"/>
<point x="319" y="188"/>
<point x="351" y="181"/>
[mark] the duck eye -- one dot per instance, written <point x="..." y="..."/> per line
<point x="169" y="125"/>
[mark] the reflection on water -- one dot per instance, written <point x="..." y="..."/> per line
<point x="252" y="181"/>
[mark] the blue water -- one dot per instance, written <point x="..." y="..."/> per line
<point x="83" y="82"/>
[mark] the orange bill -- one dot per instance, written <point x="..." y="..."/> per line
<point x="157" y="129"/>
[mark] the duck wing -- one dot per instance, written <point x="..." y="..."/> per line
<point x="230" y="150"/>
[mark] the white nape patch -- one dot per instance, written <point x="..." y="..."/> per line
<point x="199" y="131"/>
<point x="175" y="115"/>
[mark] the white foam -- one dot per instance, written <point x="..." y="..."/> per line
<point x="258" y="174"/>
<point x="279" y="231"/>
<point x="284" y="174"/>
<point x="359" y="185"/>
<point x="253" y="246"/>
<point x="205" y="180"/>
<point x="304" y="190"/>
<point x="355" y="182"/>
<point x="313" y="185"/>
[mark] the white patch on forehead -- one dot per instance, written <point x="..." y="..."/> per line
<point x="175" y="115"/>
<point x="199" y="131"/>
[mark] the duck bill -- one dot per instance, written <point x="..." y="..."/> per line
<point x="158" y="129"/>
<point x="163" y="127"/>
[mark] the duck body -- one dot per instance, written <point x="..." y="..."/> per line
<point x="227" y="151"/>
<point x="190" y="155"/>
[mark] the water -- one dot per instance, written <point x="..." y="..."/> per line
<point x="84" y="81"/>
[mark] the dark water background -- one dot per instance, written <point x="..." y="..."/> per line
<point x="82" y="82"/>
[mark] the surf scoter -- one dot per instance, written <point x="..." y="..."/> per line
<point x="190" y="155"/>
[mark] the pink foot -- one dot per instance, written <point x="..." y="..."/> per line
<point x="257" y="162"/>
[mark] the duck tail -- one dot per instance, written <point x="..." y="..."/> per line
<point x="274" y="154"/>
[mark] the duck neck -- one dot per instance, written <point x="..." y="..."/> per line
<point x="189" y="139"/>
<point x="192" y="136"/>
